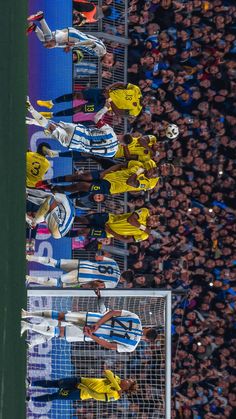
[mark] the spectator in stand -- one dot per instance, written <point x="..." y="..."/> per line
<point x="181" y="55"/>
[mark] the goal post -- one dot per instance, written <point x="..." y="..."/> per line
<point x="149" y="364"/>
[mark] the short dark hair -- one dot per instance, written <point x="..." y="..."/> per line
<point x="127" y="138"/>
<point x="128" y="275"/>
<point x="107" y="11"/>
<point x="151" y="334"/>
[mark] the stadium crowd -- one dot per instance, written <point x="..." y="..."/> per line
<point x="182" y="56"/>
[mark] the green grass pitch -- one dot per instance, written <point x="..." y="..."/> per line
<point x="13" y="140"/>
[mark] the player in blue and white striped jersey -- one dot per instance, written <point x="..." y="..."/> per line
<point x="119" y="330"/>
<point x="67" y="38"/>
<point x="103" y="272"/>
<point x="101" y="140"/>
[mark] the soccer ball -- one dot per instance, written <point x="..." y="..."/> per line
<point x="172" y="131"/>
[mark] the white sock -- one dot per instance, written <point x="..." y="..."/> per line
<point x="43" y="280"/>
<point x="44" y="329"/>
<point x="46" y="30"/>
<point x="42" y="121"/>
<point x="31" y="121"/>
<point x="38" y="341"/>
<point x="39" y="34"/>
<point x="47" y="313"/>
<point x="44" y="260"/>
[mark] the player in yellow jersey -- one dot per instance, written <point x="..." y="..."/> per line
<point x="120" y="178"/>
<point x="139" y="148"/>
<point x="129" y="227"/>
<point x="105" y="389"/>
<point x="125" y="100"/>
<point x="37" y="165"/>
<point x="120" y="98"/>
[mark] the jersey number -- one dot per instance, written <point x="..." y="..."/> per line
<point x="126" y="328"/>
<point x="64" y="393"/>
<point x="35" y="168"/>
<point x="105" y="269"/>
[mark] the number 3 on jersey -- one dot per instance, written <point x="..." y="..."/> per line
<point x="35" y="168"/>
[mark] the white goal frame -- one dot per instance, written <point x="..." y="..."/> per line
<point x="42" y="292"/>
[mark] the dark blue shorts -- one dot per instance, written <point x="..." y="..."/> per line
<point x="95" y="98"/>
<point x="97" y="223"/>
<point x="100" y="186"/>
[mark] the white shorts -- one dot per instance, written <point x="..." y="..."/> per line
<point x="69" y="265"/>
<point x="74" y="331"/>
<point x="64" y="132"/>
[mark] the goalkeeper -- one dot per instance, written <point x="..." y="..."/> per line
<point x="105" y="389"/>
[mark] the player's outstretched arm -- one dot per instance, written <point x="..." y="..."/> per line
<point x="124" y="239"/>
<point x="118" y="111"/>
<point x="114" y="168"/>
<point x="133" y="181"/>
<point x="134" y="221"/>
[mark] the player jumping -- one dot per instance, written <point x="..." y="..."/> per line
<point x="101" y="140"/>
<point x="122" y="99"/>
<point x="67" y="38"/>
<point x="119" y="178"/>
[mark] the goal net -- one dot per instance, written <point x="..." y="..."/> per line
<point x="149" y="364"/>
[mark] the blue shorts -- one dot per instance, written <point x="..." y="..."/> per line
<point x="100" y="186"/>
<point x="97" y="223"/>
<point x="95" y="99"/>
<point x="98" y="219"/>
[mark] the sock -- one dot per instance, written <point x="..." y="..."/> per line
<point x="38" y="340"/>
<point x="43" y="122"/>
<point x="43" y="280"/>
<point x="43" y="260"/>
<point x="64" y="98"/>
<point x="39" y="313"/>
<point x="66" y="112"/>
<point x="45" y="329"/>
